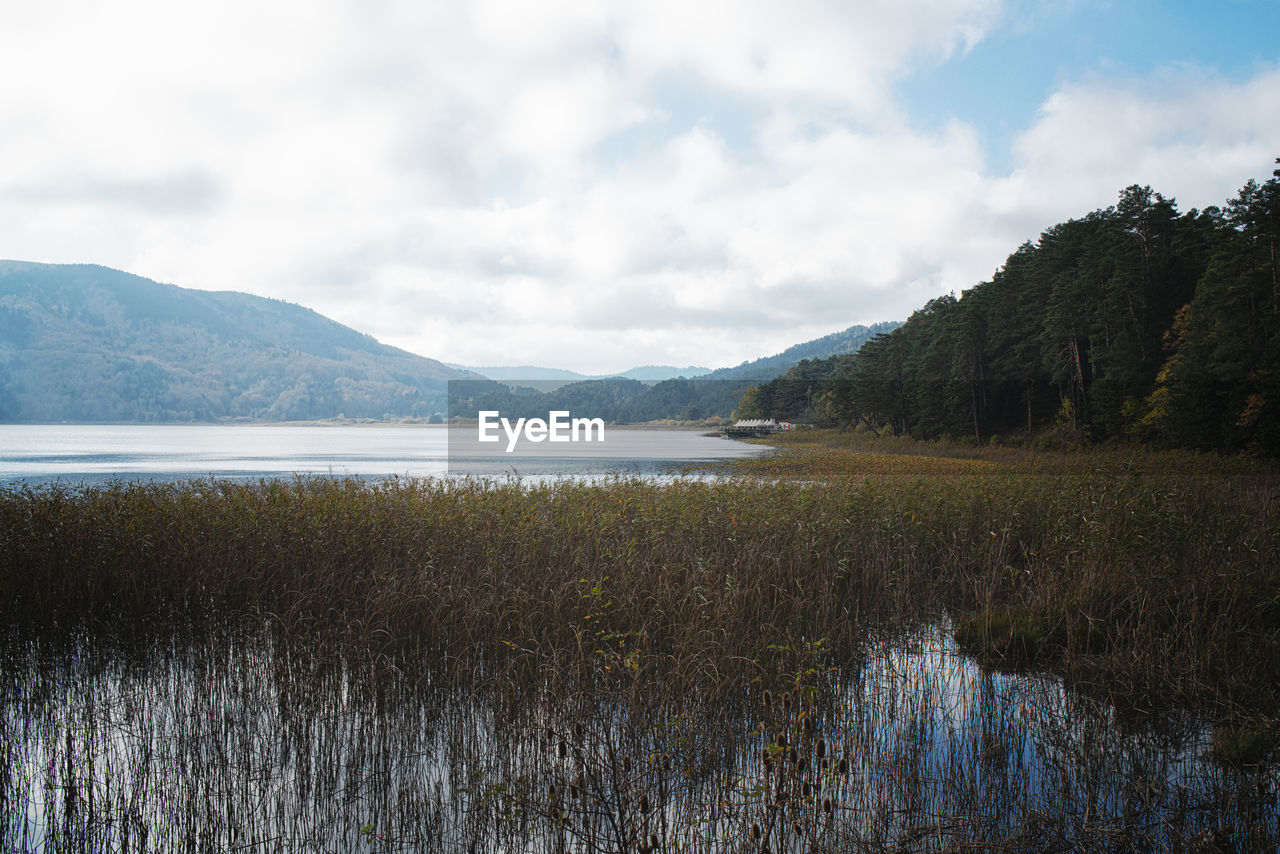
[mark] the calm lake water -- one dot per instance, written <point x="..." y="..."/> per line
<point x="94" y="453"/>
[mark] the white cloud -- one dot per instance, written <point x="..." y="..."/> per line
<point x="807" y="53"/>
<point x="1185" y="132"/>
<point x="493" y="182"/>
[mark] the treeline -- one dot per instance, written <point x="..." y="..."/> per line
<point x="1135" y="320"/>
<point x="626" y="401"/>
<point x="620" y="401"/>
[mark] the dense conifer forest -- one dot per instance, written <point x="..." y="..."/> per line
<point x="1133" y="321"/>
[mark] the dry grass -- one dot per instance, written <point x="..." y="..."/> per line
<point x="1149" y="573"/>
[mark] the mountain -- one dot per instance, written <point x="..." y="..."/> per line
<point x="507" y="373"/>
<point x="835" y="344"/>
<point x="757" y="370"/>
<point x="658" y="373"/>
<point x="626" y="400"/>
<point x="550" y="378"/>
<point x="81" y="342"/>
<point x="86" y="343"/>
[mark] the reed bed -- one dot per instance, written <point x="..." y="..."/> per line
<point x="1164" y="582"/>
<point x="638" y="666"/>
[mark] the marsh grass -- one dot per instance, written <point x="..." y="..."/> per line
<point x="569" y="666"/>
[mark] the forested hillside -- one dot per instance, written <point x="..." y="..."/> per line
<point x="1136" y="320"/>
<point x="87" y="343"/>
<point x="614" y="400"/>
<point x="624" y="400"/>
<point x="837" y="343"/>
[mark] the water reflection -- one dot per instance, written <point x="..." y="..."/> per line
<point x="246" y="741"/>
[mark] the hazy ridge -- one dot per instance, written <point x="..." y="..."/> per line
<point x="551" y="377"/>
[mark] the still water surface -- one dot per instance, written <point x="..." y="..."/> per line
<point x="94" y="453"/>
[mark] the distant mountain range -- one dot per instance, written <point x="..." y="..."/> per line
<point x="763" y="369"/>
<point x="87" y="343"/>
<point x="624" y="400"/>
<point x="84" y="343"/>
<point x="552" y="377"/>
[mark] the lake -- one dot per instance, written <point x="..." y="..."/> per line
<point x="94" y="453"/>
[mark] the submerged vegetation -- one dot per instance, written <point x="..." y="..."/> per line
<point x="774" y="661"/>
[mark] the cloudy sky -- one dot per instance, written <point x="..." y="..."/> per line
<point x="598" y="185"/>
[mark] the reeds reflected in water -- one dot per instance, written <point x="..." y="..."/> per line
<point x="235" y="743"/>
